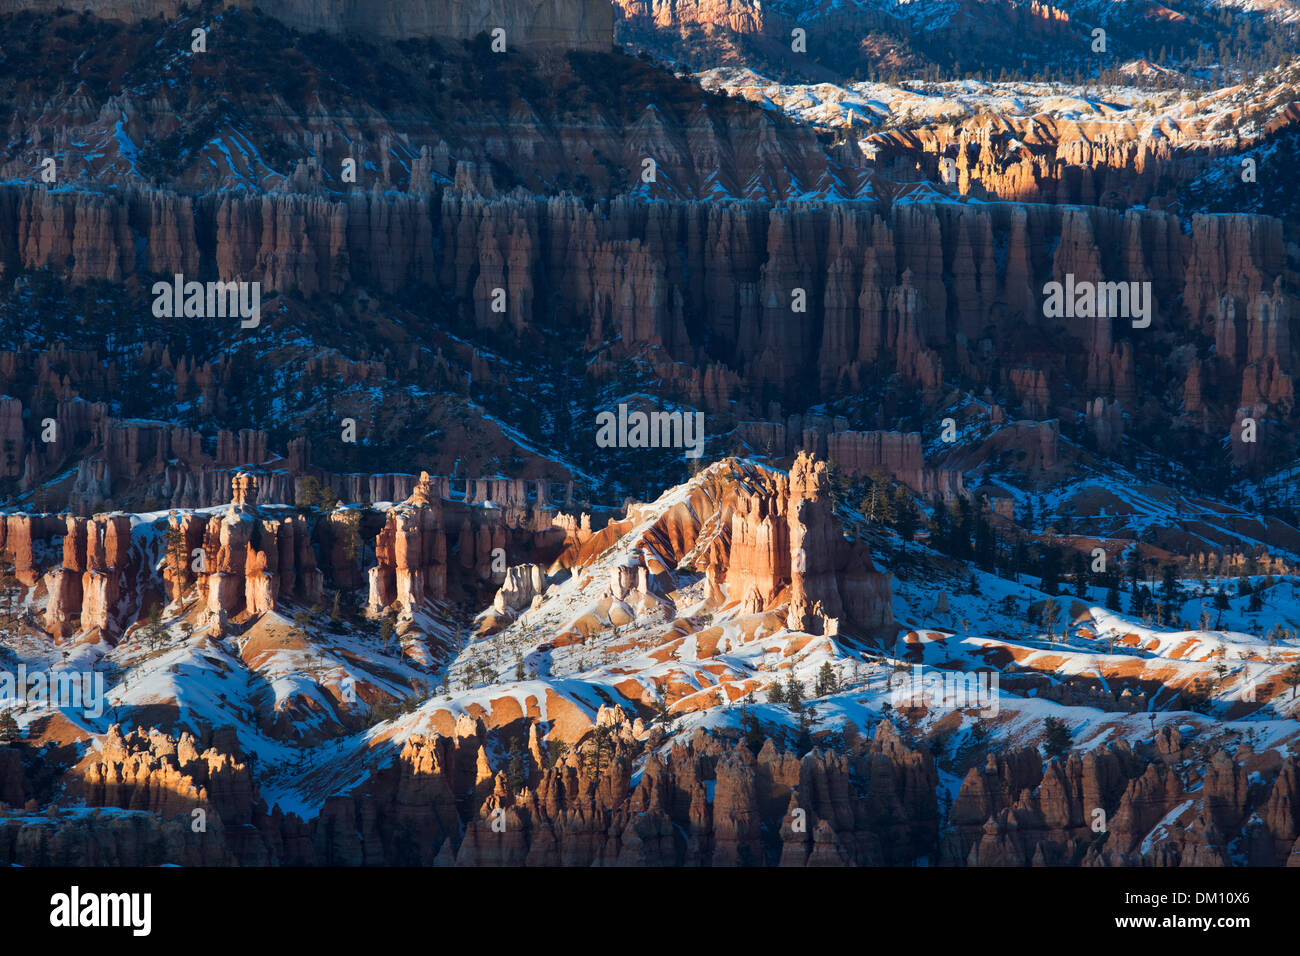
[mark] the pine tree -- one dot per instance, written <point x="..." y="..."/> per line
<point x="941" y="528"/>
<point x="964" y="528"/>
<point x="907" y="520"/>
<point x="1291" y="677"/>
<point x="351" y="533"/>
<point x="1169" y="590"/>
<point x="826" y="683"/>
<point x="1134" y="568"/>
<point x="176" y="553"/>
<point x="1057" y="737"/>
<point x="662" y="714"/>
<point x="985" y="549"/>
<point x="1051" y="570"/>
<point x="1019" y="559"/>
<point x="793" y="693"/>
<point x="803" y="743"/>
<point x="10" y="590"/>
<point x="517" y="772"/>
<point x="9" y="730"/>
<point x="1080" y="574"/>
<point x="1138" y="602"/>
<point x="313" y="494"/>
<point x="752" y="731"/>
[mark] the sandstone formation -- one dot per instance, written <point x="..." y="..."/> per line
<point x="708" y="800"/>
<point x="904" y="309"/>
<point x="411" y="553"/>
<point x="1014" y="811"/>
<point x="855" y="453"/>
<point x="570" y="24"/>
<point x="783" y="545"/>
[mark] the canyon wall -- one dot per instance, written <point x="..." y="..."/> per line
<point x="929" y="291"/>
<point x="700" y="804"/>
<point x="707" y="801"/>
<point x="560" y="24"/>
<point x="854" y="453"/>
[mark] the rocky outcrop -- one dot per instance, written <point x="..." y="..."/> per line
<point x="1116" y="807"/>
<point x="569" y="24"/>
<point x="855" y="453"/>
<point x="1106" y="423"/>
<point x="166" y="776"/>
<point x="85" y="590"/>
<point x="583" y="810"/>
<point x="705" y="800"/>
<point x="522" y="584"/>
<point x="916" y="291"/>
<point x="785" y="546"/>
<point x="78" y="838"/>
<point x="411" y="553"/>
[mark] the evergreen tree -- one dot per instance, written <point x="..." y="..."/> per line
<point x="793" y="693"/>
<point x="907" y="519"/>
<point x="517" y="770"/>
<point x="1057" y="737"/>
<point x="804" y="743"/>
<point x="11" y="590"/>
<point x="351" y="533"/>
<point x="1080" y="574"/>
<point x="964" y="528"/>
<point x="985" y="544"/>
<point x="1169" y="590"/>
<point x="1112" y="596"/>
<point x="1050" y="567"/>
<point x="662" y="714"/>
<point x="9" y="730"/>
<point x="1291" y="677"/>
<point x="752" y="731"/>
<point x="1134" y="569"/>
<point x="313" y="494"/>
<point x="1139" y="601"/>
<point x="1019" y="559"/>
<point x="826" y="682"/>
<point x="941" y="529"/>
<point x="1221" y="602"/>
<point x="177" y="555"/>
<point x="836" y="483"/>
